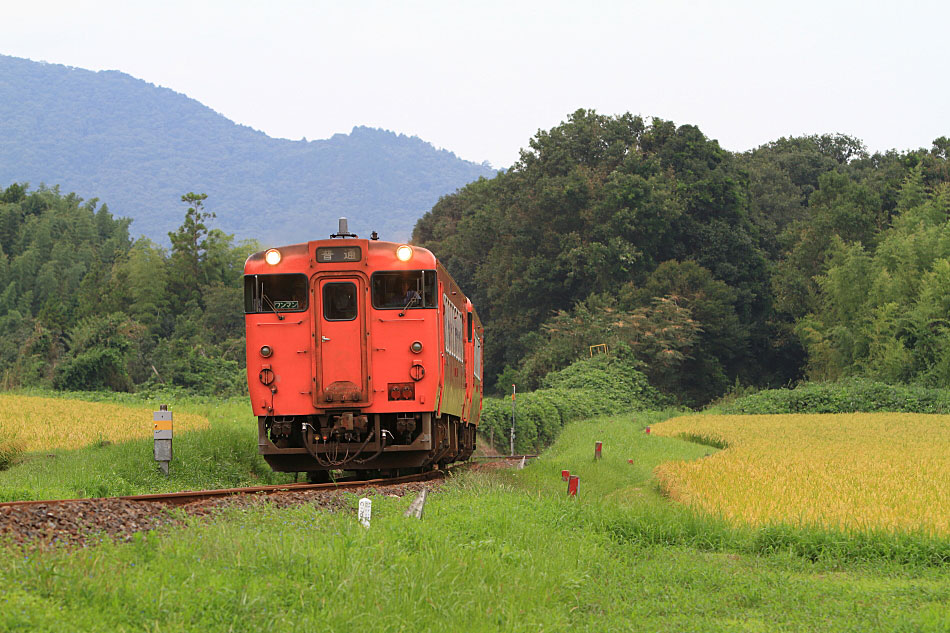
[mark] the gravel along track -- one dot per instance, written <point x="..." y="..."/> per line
<point x="84" y="521"/>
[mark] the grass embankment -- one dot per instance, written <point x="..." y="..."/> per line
<point x="866" y="471"/>
<point x="496" y="551"/>
<point x="215" y="446"/>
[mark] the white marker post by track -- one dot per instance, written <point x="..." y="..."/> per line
<point x="418" y="505"/>
<point x="512" y="420"/>
<point x="365" y="511"/>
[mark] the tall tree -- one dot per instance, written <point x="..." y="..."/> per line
<point x="593" y="204"/>
<point x="189" y="248"/>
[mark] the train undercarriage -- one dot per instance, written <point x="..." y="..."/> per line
<point x="378" y="443"/>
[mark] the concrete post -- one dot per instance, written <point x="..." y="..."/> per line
<point x="513" y="419"/>
<point x="162" y="434"/>
<point x="365" y="511"/>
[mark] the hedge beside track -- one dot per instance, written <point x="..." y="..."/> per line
<point x="846" y="396"/>
<point x="594" y="386"/>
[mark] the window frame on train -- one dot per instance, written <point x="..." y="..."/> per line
<point x="254" y="294"/>
<point x="429" y="294"/>
<point x="331" y="286"/>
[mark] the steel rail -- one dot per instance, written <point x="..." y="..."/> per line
<point x="190" y="496"/>
<point x="505" y="457"/>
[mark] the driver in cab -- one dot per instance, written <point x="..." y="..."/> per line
<point x="409" y="294"/>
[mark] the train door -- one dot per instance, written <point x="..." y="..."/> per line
<point x="476" y="409"/>
<point x="340" y="341"/>
<point x="467" y="365"/>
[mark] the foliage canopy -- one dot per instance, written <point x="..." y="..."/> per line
<point x="715" y="268"/>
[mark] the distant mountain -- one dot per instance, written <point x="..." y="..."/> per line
<point x="139" y="147"/>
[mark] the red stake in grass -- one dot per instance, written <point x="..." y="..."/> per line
<point x="597" y="447"/>
<point x="648" y="430"/>
<point x="629" y="461"/>
<point x="565" y="475"/>
<point x="572" y="486"/>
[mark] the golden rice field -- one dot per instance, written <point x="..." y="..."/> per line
<point x="31" y="423"/>
<point x="862" y="470"/>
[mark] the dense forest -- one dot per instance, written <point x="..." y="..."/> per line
<point x="83" y="307"/>
<point x="807" y="257"/>
<point x="138" y="147"/>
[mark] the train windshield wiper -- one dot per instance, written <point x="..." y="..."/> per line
<point x="280" y="317"/>
<point x="412" y="300"/>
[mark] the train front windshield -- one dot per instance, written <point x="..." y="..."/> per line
<point x="275" y="293"/>
<point x="397" y="290"/>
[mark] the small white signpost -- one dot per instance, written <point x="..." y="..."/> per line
<point x="365" y="511"/>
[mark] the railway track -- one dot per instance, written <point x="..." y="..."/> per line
<point x="41" y="523"/>
<point x="508" y="457"/>
<point x="191" y="496"/>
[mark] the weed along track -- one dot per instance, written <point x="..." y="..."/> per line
<point x="77" y="521"/>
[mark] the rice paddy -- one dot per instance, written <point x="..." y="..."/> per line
<point x="865" y="471"/>
<point x="31" y="423"/>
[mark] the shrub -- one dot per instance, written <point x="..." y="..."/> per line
<point x="846" y="396"/>
<point x="592" y="386"/>
<point x="615" y="377"/>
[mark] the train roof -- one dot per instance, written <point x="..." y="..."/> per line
<point x="371" y="254"/>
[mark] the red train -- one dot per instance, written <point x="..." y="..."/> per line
<point x="361" y="355"/>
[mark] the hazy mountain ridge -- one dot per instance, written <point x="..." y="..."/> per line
<point x="139" y="147"/>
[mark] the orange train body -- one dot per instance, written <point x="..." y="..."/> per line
<point x="360" y="360"/>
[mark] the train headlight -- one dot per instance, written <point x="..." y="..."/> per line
<point x="272" y="257"/>
<point x="416" y="347"/>
<point x="266" y="351"/>
<point x="404" y="253"/>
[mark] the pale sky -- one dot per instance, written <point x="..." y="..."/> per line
<point x="480" y="78"/>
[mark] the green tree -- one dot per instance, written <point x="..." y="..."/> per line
<point x="99" y="350"/>
<point x="661" y="336"/>
<point x="189" y="249"/>
<point x="882" y="311"/>
<point x="593" y="204"/>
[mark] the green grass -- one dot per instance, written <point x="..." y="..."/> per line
<point x="496" y="551"/>
<point x="527" y="565"/>
<point x="223" y="455"/>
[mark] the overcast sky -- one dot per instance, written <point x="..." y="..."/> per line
<point x="480" y="78"/>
